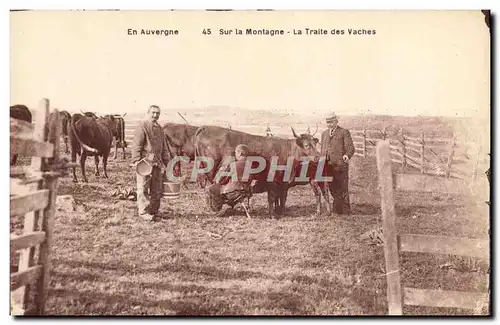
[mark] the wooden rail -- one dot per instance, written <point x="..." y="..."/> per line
<point x="429" y="155"/>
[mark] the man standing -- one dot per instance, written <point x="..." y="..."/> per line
<point x="149" y="144"/>
<point x="338" y="148"/>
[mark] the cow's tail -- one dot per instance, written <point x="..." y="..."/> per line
<point x="65" y="124"/>
<point x="80" y="142"/>
<point x="122" y="132"/>
<point x="73" y="143"/>
<point x="196" y="140"/>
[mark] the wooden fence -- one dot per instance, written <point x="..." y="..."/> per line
<point x="394" y="242"/>
<point x="448" y="157"/>
<point x="33" y="191"/>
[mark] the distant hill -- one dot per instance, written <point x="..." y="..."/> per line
<point x="281" y="120"/>
<point x="227" y="115"/>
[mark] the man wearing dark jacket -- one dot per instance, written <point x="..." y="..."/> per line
<point x="338" y="148"/>
<point x="149" y="144"/>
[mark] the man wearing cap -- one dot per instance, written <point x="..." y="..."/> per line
<point x="231" y="191"/>
<point x="149" y="145"/>
<point x="338" y="148"/>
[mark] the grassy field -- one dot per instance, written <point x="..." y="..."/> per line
<point x="106" y="261"/>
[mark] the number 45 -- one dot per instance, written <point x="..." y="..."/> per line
<point x="207" y="31"/>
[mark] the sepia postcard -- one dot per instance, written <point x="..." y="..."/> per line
<point x="250" y="162"/>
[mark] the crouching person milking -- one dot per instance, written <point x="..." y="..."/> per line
<point x="233" y="189"/>
<point x="149" y="145"/>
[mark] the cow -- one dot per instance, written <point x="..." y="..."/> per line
<point x="309" y="144"/>
<point x="213" y="141"/>
<point x="91" y="137"/>
<point x="119" y="134"/>
<point x="65" y="119"/>
<point x="19" y="112"/>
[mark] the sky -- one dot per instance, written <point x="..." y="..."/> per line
<point x="418" y="62"/>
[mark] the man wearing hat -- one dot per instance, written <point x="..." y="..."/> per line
<point x="149" y="149"/>
<point x="338" y="148"/>
<point x="229" y="190"/>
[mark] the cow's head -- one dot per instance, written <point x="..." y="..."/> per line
<point x="307" y="143"/>
<point x="119" y="131"/>
<point x="110" y="121"/>
<point x="89" y="114"/>
<point x="179" y="140"/>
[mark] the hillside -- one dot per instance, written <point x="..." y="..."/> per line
<point x="256" y="120"/>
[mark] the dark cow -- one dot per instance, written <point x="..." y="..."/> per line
<point x="19" y="112"/>
<point x="65" y="119"/>
<point x="119" y="134"/>
<point x="91" y="137"/>
<point x="213" y="142"/>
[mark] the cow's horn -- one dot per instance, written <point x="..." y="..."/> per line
<point x="124" y="114"/>
<point x="294" y="134"/>
<point x="82" y="111"/>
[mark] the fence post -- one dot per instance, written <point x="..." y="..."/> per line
<point x="54" y="133"/>
<point x="403" y="148"/>
<point x="450" y="157"/>
<point x="474" y="166"/>
<point x="384" y="133"/>
<point x="422" y="150"/>
<point x="364" y="142"/>
<point x="394" y="294"/>
<point x="31" y="219"/>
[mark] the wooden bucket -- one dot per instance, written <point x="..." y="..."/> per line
<point x="171" y="189"/>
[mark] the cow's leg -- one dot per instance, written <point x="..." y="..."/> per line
<point x="283" y="193"/>
<point x="116" y="149"/>
<point x="317" y="194"/>
<point x="96" y="159"/>
<point x="66" y="144"/>
<point x="201" y="181"/>
<point x="75" y="180"/>
<point x="123" y="149"/>
<point x="83" y="157"/>
<point x="248" y="204"/>
<point x="324" y="191"/>
<point x="105" y="164"/>
<point x="73" y="160"/>
<point x="271" y="201"/>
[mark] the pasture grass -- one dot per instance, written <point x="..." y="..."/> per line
<point x="107" y="261"/>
